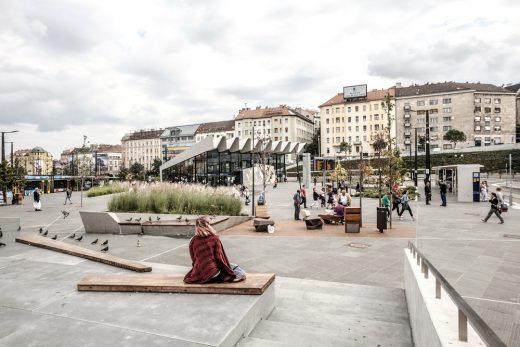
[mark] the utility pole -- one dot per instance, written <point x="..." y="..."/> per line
<point x="510" y="182"/>
<point x="410" y="161"/>
<point x="427" y="157"/>
<point x="416" y="170"/>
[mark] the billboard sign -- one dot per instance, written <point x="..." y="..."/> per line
<point x="358" y="91"/>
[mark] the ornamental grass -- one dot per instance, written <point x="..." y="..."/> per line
<point x="177" y="199"/>
<point x="113" y="188"/>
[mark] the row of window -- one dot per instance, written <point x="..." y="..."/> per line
<point x="487" y="100"/>
<point x="434" y="120"/>
<point x="356" y="119"/>
<point x="487" y="109"/>
<point x="364" y="128"/>
<point x="445" y="101"/>
<point x="341" y="109"/>
<point x="141" y="143"/>
<point x="487" y="119"/>
<point x="488" y="128"/>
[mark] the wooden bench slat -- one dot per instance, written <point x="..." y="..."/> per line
<point x="62" y="247"/>
<point x="255" y="284"/>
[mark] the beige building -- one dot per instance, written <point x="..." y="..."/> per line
<point x="275" y="123"/>
<point x="485" y="113"/>
<point x="515" y="88"/>
<point x="142" y="147"/>
<point x="36" y="161"/>
<point x="357" y="122"/>
<point x="224" y="128"/>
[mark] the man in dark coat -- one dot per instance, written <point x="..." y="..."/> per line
<point x="297" y="201"/>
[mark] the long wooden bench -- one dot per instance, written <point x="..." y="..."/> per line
<point x="255" y="284"/>
<point x="62" y="247"/>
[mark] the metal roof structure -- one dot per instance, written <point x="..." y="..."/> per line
<point x="234" y="144"/>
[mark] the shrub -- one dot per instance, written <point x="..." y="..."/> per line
<point x="107" y="189"/>
<point x="179" y="199"/>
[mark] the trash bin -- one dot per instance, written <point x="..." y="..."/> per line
<point x="381" y="218"/>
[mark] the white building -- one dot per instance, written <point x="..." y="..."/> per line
<point x="142" y="147"/>
<point x="216" y="129"/>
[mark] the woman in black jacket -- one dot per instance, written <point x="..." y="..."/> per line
<point x="494" y="209"/>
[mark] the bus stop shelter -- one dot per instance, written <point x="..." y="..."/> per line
<point x="463" y="180"/>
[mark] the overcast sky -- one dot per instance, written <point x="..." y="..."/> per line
<point x="103" y="68"/>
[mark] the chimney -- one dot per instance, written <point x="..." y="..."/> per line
<point x="398" y="85"/>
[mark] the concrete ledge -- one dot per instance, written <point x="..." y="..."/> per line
<point x="434" y="321"/>
<point x="100" y="222"/>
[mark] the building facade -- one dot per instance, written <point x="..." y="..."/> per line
<point x="36" y="161"/>
<point x="275" y="123"/>
<point x="357" y="122"/>
<point x="175" y="140"/>
<point x="216" y="129"/>
<point x="142" y="146"/>
<point x="109" y="159"/>
<point x="515" y="88"/>
<point x="485" y="113"/>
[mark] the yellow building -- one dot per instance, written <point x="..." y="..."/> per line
<point x="354" y="121"/>
<point x="36" y="161"/>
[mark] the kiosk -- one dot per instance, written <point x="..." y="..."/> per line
<point x="463" y="180"/>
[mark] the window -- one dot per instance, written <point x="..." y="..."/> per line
<point x="356" y="108"/>
<point x="497" y="128"/>
<point x="349" y="109"/>
<point x="433" y="120"/>
<point x="337" y="119"/>
<point x="446" y="128"/>
<point x="434" y="102"/>
<point x="498" y="119"/>
<point x="328" y="140"/>
<point x="420" y="112"/>
<point x="497" y="109"/>
<point x="498" y="140"/>
<point x="349" y="119"/>
<point x="376" y="127"/>
<point x="446" y="101"/>
<point x="477" y="100"/>
<point x="255" y="122"/>
<point x="446" y="119"/>
<point x="420" y="103"/>
<point x="364" y="128"/>
<point x="286" y="120"/>
<point x="497" y="100"/>
<point x="446" y="110"/>
<point x="421" y="120"/>
<point x="487" y="100"/>
<point x="357" y="119"/>
<point x="276" y="130"/>
<point x="364" y="107"/>
<point x="349" y="128"/>
<point x="337" y="129"/>
<point x="434" y="129"/>
<point x="478" y="109"/>
<point x="376" y="117"/>
<point x="239" y="133"/>
<point x="357" y="128"/>
<point x="326" y="111"/>
<point x="327" y="121"/>
<point x="376" y="107"/>
<point x="337" y="109"/>
<point x="487" y="109"/>
<point x="487" y="119"/>
<point x="364" y="118"/>
<point x="487" y="128"/>
<point x="337" y="139"/>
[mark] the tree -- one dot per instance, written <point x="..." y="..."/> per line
<point x="392" y="155"/>
<point x="455" y="136"/>
<point x="379" y="145"/>
<point x="314" y="147"/>
<point x="156" y="165"/>
<point x="123" y="173"/>
<point x="344" y="147"/>
<point x="137" y="170"/>
<point x="421" y="143"/>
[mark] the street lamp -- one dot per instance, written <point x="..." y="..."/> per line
<point x="4" y="173"/>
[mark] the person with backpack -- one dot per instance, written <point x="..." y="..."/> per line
<point x="495" y="208"/>
<point x="405" y="202"/>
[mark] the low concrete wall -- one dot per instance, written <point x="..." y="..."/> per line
<point x="108" y="223"/>
<point x="434" y="321"/>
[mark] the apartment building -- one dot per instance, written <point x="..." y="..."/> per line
<point x="280" y="123"/>
<point x="356" y="121"/>
<point x="224" y="128"/>
<point x="485" y="113"/>
<point x="312" y="115"/>
<point x="177" y="139"/>
<point x="109" y="159"/>
<point x="515" y="88"/>
<point x="141" y="146"/>
<point x="36" y="161"/>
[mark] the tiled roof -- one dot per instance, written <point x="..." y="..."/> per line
<point x="180" y="130"/>
<point x="515" y="88"/>
<point x="226" y="125"/>
<point x="371" y="96"/>
<point x="142" y="135"/>
<point x="268" y="112"/>
<point x="445" y="87"/>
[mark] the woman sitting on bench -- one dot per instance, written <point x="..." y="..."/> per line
<point x="209" y="261"/>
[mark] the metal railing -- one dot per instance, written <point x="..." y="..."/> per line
<point x="465" y="311"/>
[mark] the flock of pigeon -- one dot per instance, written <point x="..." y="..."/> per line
<point x="79" y="239"/>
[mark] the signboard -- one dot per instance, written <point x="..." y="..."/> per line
<point x="358" y="91"/>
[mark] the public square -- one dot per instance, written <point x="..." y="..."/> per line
<point x="331" y="287"/>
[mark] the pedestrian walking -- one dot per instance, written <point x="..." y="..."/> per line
<point x="303" y="193"/>
<point x="444" y="190"/>
<point x="315" y="180"/>
<point x="494" y="209"/>
<point x="427" y="191"/>
<point x="405" y="202"/>
<point x="37" y="200"/>
<point x="68" y="195"/>
<point x="297" y="201"/>
<point x="396" y="201"/>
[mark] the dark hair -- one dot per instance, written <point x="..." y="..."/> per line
<point x="493" y="194"/>
<point x="405" y="191"/>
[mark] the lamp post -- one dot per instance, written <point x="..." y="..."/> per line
<point x="415" y="170"/>
<point x="4" y="173"/>
<point x="253" y="168"/>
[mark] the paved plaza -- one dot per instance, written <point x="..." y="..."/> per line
<point x="39" y="290"/>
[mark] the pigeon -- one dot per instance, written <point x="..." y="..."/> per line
<point x="104" y="243"/>
<point x="41" y="229"/>
<point x="1" y="234"/>
<point x="19" y="228"/>
<point x="79" y="238"/>
<point x="2" y="244"/>
<point x="94" y="242"/>
<point x="65" y="214"/>
<point x="104" y="249"/>
<point x="46" y="233"/>
<point x="55" y="237"/>
<point x="150" y="219"/>
<point x="179" y="219"/>
<point x="72" y="236"/>
<point x="129" y="219"/>
<point x="158" y="218"/>
<point x="187" y="221"/>
<point x="138" y="219"/>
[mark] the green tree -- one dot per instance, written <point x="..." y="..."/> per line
<point x="123" y="173"/>
<point x="455" y="136"/>
<point x="345" y="147"/>
<point x="379" y="145"/>
<point x="314" y="147"/>
<point x="137" y="170"/>
<point x="156" y="165"/>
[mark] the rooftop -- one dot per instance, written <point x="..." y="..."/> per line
<point x="372" y="95"/>
<point x="268" y="112"/>
<point x="226" y="125"/>
<point x="444" y="87"/>
<point x="142" y="135"/>
<point x="184" y="130"/>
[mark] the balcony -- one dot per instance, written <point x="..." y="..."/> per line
<point x="407" y="116"/>
<point x="477" y="119"/>
<point x="407" y="108"/>
<point x="407" y="142"/>
<point x="407" y="124"/>
<point x="407" y="134"/>
<point x="357" y="142"/>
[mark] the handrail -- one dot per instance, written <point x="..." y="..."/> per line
<point x="466" y="312"/>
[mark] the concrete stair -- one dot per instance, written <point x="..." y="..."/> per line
<point x="317" y="313"/>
